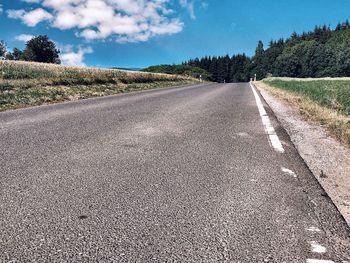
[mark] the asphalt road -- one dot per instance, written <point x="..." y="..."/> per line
<point x="173" y="175"/>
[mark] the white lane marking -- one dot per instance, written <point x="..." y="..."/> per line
<point x="313" y="229"/>
<point x="274" y="140"/>
<point x="243" y="134"/>
<point x="317" y="248"/>
<point x="289" y="172"/>
<point x="319" y="261"/>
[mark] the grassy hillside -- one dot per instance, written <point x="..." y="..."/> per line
<point x="184" y="70"/>
<point x="326" y="101"/>
<point x="27" y="83"/>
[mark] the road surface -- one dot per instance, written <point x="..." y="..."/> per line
<point x="185" y="174"/>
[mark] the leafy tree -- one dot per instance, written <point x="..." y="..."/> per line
<point x="271" y="54"/>
<point x="319" y="53"/>
<point x="41" y="49"/>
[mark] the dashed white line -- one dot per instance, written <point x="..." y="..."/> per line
<point x="289" y="172"/>
<point x="274" y="140"/>
<point x="313" y="229"/>
<point x="317" y="248"/>
<point x="277" y="145"/>
<point x="319" y="261"/>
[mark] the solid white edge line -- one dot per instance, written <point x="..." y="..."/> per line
<point x="274" y="140"/>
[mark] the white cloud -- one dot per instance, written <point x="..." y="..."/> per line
<point x="31" y="18"/>
<point x="15" y="13"/>
<point x="189" y="5"/>
<point x="24" y="37"/>
<point x="123" y="20"/>
<point x="64" y="48"/>
<point x="71" y="58"/>
<point x="36" y="16"/>
<point x="1" y="8"/>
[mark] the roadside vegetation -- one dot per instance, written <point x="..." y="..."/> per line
<point x="25" y="84"/>
<point x="325" y="101"/>
<point x="185" y="70"/>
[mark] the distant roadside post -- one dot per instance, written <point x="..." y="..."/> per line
<point x="255" y="77"/>
<point x="200" y="78"/>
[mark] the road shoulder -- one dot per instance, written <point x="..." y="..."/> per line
<point x="328" y="159"/>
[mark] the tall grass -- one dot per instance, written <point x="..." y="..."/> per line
<point x="333" y="94"/>
<point x="29" y="83"/>
<point x="324" y="101"/>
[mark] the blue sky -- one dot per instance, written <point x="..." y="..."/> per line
<point x="139" y="33"/>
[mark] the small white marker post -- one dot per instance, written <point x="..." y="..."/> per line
<point x="200" y="78"/>
<point x="255" y="77"/>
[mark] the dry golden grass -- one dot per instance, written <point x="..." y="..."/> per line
<point x="25" y="84"/>
<point x="337" y="125"/>
<point x="34" y="70"/>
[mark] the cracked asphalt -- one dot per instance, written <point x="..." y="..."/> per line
<point x="182" y="174"/>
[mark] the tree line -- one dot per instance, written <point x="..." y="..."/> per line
<point x="224" y="68"/>
<point x="38" y="49"/>
<point x="323" y="52"/>
<point x="186" y="70"/>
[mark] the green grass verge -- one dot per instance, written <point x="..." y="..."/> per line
<point x="323" y="101"/>
<point x="333" y="94"/>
